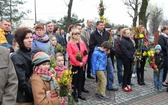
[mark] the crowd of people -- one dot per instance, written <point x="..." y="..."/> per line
<point x="25" y="61"/>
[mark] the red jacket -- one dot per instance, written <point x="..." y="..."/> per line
<point x="73" y="49"/>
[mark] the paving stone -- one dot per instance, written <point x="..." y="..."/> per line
<point x="141" y="95"/>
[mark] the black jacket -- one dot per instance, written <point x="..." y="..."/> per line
<point x="96" y="39"/>
<point x="159" y="60"/>
<point x="23" y="66"/>
<point x="163" y="42"/>
<point x="127" y="48"/>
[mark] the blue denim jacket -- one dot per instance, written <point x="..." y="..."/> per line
<point x="99" y="60"/>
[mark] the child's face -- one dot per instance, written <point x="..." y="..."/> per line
<point x="157" y="51"/>
<point x="44" y="66"/>
<point x="15" y="47"/>
<point x="106" y="50"/>
<point x="60" y="61"/>
<point x="54" y="41"/>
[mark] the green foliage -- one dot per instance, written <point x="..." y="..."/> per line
<point x="101" y="8"/>
<point x="12" y="10"/>
<point x="74" y="19"/>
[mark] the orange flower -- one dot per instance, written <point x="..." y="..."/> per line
<point x="136" y="36"/>
<point x="155" y="67"/>
<point x="145" y="43"/>
<point x="137" y="53"/>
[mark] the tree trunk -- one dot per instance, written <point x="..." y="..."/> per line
<point x="10" y="18"/>
<point x="142" y="13"/>
<point x="135" y="14"/>
<point x="69" y="14"/>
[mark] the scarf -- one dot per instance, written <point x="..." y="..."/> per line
<point x="61" y="68"/>
<point x="46" y="75"/>
<point x="43" y="38"/>
<point x="164" y="35"/>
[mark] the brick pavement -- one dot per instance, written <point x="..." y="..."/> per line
<point x="141" y="95"/>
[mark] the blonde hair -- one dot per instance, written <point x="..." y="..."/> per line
<point x="124" y="31"/>
<point x="52" y="36"/>
<point x="74" y="31"/>
<point x="58" y="55"/>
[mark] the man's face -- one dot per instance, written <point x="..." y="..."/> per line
<point x="79" y="28"/>
<point x="6" y="26"/>
<point x="100" y="26"/>
<point x="50" y="27"/>
<point x="89" y="23"/>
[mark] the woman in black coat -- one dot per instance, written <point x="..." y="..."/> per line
<point x="163" y="42"/>
<point x="128" y="50"/>
<point x="23" y="65"/>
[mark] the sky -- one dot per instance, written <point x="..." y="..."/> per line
<point x="116" y="11"/>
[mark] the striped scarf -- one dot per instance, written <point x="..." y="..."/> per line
<point x="46" y="75"/>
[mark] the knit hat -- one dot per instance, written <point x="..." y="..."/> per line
<point x="39" y="58"/>
<point x="158" y="47"/>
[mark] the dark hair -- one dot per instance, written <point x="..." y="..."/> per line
<point x="39" y="25"/>
<point x="119" y="28"/>
<point x="164" y="28"/>
<point x="98" y="22"/>
<point x="70" y="27"/>
<point x="55" y="28"/>
<point x="77" y="24"/>
<point x="20" y="34"/>
<point x="106" y="45"/>
<point x="14" y="42"/>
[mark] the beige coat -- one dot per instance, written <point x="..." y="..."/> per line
<point x="86" y="34"/>
<point x="39" y="88"/>
<point x="8" y="79"/>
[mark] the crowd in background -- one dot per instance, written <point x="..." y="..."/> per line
<point x="26" y="76"/>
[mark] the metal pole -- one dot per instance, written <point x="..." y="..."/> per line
<point x="35" y="11"/>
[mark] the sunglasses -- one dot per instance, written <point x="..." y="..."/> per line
<point x="76" y="33"/>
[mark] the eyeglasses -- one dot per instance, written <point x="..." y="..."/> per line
<point x="76" y="33"/>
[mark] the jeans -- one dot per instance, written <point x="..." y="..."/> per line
<point x="6" y="45"/>
<point x="110" y="73"/>
<point x="119" y="70"/>
<point x="89" y="64"/>
<point x="134" y="70"/>
<point x="158" y="77"/>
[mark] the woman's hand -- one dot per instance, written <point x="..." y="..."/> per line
<point x="81" y="64"/>
<point x="135" y="59"/>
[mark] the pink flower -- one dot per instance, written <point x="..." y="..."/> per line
<point x="145" y="37"/>
<point x="151" y="64"/>
<point x="152" y="57"/>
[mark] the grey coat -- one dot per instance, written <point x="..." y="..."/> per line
<point x="8" y="79"/>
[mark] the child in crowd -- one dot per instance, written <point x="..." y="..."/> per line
<point x="60" y="67"/>
<point x="158" y="75"/>
<point x="99" y="61"/>
<point x="43" y="83"/>
<point x="3" y="40"/>
<point x="53" y="40"/>
<point x="15" y="45"/>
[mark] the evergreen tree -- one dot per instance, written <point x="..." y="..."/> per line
<point x="12" y="10"/>
<point x="63" y="21"/>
